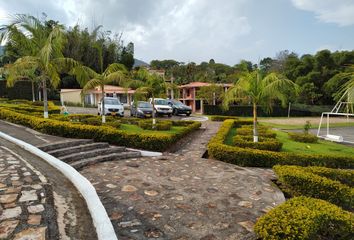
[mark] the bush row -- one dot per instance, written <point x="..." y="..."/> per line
<point x="345" y="176"/>
<point x="306" y="218"/>
<point x="303" y="137"/>
<point x="263" y="143"/>
<point x="220" y="118"/>
<point x="262" y="158"/>
<point x="149" y="141"/>
<point x="297" y="181"/>
<point x="247" y="130"/>
<point x="160" y="125"/>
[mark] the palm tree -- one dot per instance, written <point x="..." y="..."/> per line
<point x="39" y="48"/>
<point x="151" y="85"/>
<point x="89" y="79"/>
<point x="261" y="90"/>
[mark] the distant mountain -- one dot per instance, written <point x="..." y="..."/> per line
<point x="139" y="63"/>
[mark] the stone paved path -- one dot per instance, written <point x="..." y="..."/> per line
<point x="27" y="209"/>
<point x="183" y="196"/>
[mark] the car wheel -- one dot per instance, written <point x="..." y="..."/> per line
<point x="188" y="114"/>
<point x="170" y="115"/>
<point x="175" y="112"/>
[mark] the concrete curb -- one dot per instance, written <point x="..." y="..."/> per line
<point x="101" y="221"/>
<point x="145" y="153"/>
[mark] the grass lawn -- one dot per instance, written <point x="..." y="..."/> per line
<point x="136" y="129"/>
<point x="322" y="147"/>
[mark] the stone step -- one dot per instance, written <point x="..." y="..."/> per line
<point x="77" y="149"/>
<point x="63" y="144"/>
<point x="110" y="157"/>
<point x="89" y="154"/>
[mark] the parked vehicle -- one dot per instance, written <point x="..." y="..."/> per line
<point x="162" y="107"/>
<point x="112" y="106"/>
<point x="179" y="108"/>
<point x="141" y="109"/>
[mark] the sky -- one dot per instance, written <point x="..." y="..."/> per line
<point x="198" y="30"/>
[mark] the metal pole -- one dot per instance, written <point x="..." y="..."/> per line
<point x="327" y="124"/>
<point x="319" y="126"/>
<point x="289" y="109"/>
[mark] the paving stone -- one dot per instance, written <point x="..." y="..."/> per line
<point x="8" y="198"/>
<point x="36" y="208"/>
<point x="31" y="234"/>
<point x="248" y="225"/>
<point x="116" y="215"/>
<point x="26" y="174"/>
<point x="245" y="204"/>
<point x="132" y="223"/>
<point x="10" y="205"/>
<point x="129" y="188"/>
<point x="151" y="193"/>
<point x="34" y="219"/>
<point x="176" y="179"/>
<point x="36" y="186"/>
<point x="7" y="227"/>
<point x="28" y="196"/>
<point x="111" y="185"/>
<point x="10" y="213"/>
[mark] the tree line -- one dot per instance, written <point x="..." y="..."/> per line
<point x="319" y="76"/>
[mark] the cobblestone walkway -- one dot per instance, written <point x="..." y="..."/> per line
<point x="27" y="208"/>
<point x="183" y="196"/>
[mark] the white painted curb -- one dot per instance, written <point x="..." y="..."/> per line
<point x="101" y="221"/>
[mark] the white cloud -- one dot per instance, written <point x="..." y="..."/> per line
<point x="340" y="12"/>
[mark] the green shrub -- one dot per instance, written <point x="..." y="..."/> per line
<point x="115" y="124"/>
<point x="160" y="125"/>
<point x="297" y="181"/>
<point x="220" y="118"/>
<point x="92" y="121"/>
<point x="305" y="218"/>
<point x="345" y="176"/>
<point x="263" y="158"/>
<point x="303" y="137"/>
<point x="263" y="143"/>
<point x="261" y="132"/>
<point x="149" y="141"/>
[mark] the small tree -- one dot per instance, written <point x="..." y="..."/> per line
<point x="261" y="90"/>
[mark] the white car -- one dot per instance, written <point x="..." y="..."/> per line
<point x="162" y="107"/>
<point x="112" y="106"/>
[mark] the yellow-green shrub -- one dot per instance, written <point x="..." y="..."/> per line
<point x="219" y="118"/>
<point x="263" y="158"/>
<point x="303" y="137"/>
<point x="149" y="141"/>
<point x="263" y="143"/>
<point x="159" y="125"/>
<point x="298" y="181"/>
<point x="305" y="218"/>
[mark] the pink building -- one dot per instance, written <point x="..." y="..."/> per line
<point x="188" y="95"/>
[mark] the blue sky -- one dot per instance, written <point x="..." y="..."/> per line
<point x="197" y="30"/>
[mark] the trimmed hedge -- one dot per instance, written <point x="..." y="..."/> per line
<point x="297" y="181"/>
<point x="345" y="176"/>
<point x="220" y="118"/>
<point x="263" y="143"/>
<point x="306" y="218"/>
<point x="303" y="137"/>
<point x="262" y="158"/>
<point x="160" y="125"/>
<point x="149" y="141"/>
<point x="262" y="132"/>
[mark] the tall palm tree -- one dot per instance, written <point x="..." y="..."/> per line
<point x="261" y="90"/>
<point x="39" y="48"/>
<point x="90" y="79"/>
